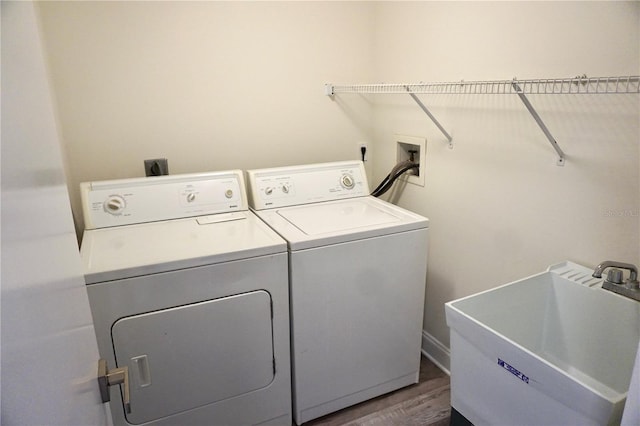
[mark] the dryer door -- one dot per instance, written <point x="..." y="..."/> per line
<point x="189" y="356"/>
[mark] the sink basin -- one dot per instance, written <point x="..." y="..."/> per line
<point x="553" y="348"/>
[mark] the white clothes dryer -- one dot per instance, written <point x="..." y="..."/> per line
<point x="357" y="271"/>
<point x="189" y="290"/>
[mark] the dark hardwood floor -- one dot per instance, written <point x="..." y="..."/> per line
<point x="426" y="403"/>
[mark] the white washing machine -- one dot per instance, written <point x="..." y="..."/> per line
<point x="189" y="290"/>
<point x="357" y="271"/>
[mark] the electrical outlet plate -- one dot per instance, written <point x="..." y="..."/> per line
<point x="156" y="167"/>
<point x="404" y="144"/>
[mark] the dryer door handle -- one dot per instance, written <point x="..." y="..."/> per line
<point x="142" y="374"/>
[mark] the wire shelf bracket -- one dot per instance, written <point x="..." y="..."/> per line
<point x="431" y="116"/>
<point x="572" y="86"/>
<point x="540" y="123"/>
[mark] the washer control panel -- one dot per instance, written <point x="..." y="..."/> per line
<point x="287" y="186"/>
<point x="139" y="200"/>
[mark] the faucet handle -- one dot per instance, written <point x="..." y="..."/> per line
<point x="614" y="276"/>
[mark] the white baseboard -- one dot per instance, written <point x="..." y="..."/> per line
<point x="438" y="353"/>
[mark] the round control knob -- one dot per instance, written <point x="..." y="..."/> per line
<point x="191" y="197"/>
<point x="285" y="189"/>
<point x="228" y="193"/>
<point x="347" y="181"/>
<point x="114" y="205"/>
<point x="268" y="190"/>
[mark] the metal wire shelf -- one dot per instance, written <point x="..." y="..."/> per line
<point x="556" y="86"/>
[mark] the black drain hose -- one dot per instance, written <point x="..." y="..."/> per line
<point x="397" y="171"/>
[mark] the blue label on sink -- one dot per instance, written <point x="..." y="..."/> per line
<point x="513" y="371"/>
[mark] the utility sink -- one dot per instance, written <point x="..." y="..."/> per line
<point x="550" y="349"/>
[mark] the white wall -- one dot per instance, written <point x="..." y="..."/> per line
<point x="216" y="85"/>
<point x="500" y="209"/>
<point x="208" y="85"/>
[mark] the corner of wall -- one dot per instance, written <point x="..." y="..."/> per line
<point x="437" y="352"/>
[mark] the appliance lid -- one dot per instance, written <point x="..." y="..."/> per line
<point x="334" y="222"/>
<point x="326" y="218"/>
<point x="148" y="248"/>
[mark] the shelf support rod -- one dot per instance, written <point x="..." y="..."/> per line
<point x="426" y="110"/>
<point x="538" y="120"/>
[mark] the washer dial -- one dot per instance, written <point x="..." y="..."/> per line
<point x="347" y="181"/>
<point x="114" y="204"/>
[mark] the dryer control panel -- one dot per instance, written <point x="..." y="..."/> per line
<point x="149" y="199"/>
<point x="288" y="186"/>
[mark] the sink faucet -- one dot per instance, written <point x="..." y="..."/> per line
<point x="597" y="273"/>
<point x="613" y="282"/>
